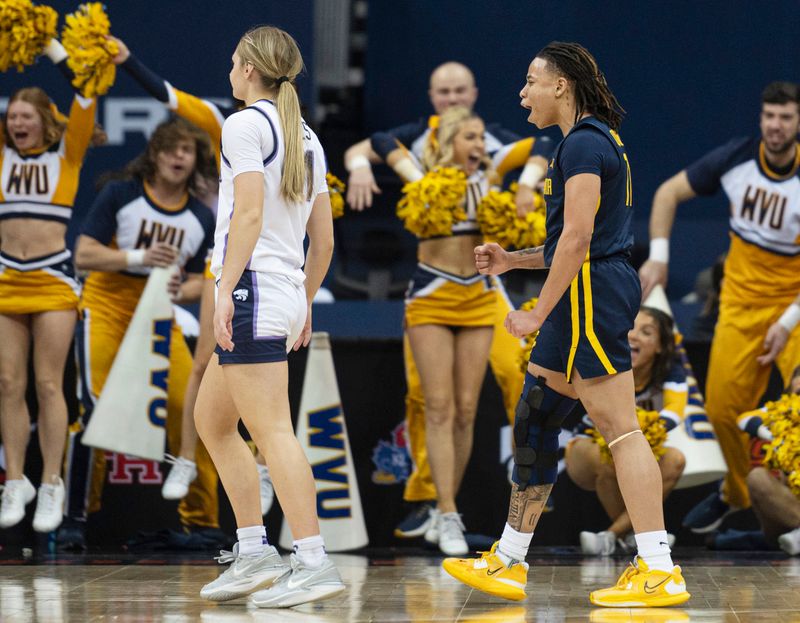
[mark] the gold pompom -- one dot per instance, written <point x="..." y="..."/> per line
<point x="90" y="51"/>
<point x="530" y="340"/>
<point x="653" y="428"/>
<point x="498" y="220"/>
<point x="432" y="205"/>
<point x="782" y="418"/>
<point x="25" y="30"/>
<point x="336" y="191"/>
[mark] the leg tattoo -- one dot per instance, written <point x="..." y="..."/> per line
<point x="525" y="507"/>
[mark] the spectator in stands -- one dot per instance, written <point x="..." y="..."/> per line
<point x="451" y="84"/>
<point x="149" y="218"/>
<point x="450" y="308"/>
<point x="209" y="117"/>
<point x="759" y="303"/>
<point x="775" y="504"/>
<point x="41" y="154"/>
<point x="661" y="386"/>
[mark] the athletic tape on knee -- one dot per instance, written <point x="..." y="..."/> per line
<point x="539" y="414"/>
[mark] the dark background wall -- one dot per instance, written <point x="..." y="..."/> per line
<point x="688" y="73"/>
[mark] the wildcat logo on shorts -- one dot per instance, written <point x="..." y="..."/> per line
<point x="391" y="458"/>
<point x="241" y="294"/>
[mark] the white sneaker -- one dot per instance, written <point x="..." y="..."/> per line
<point x="17" y="494"/>
<point x="245" y="575"/>
<point x="451" y="535"/>
<point x="598" y="543"/>
<point x="182" y="474"/>
<point x="49" y="507"/>
<point x="267" y="490"/>
<point x="300" y="585"/>
<point x="790" y="542"/>
<point x="432" y="533"/>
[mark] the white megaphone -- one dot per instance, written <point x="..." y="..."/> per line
<point x="130" y="414"/>
<point x="694" y="437"/>
<point x="322" y="433"/>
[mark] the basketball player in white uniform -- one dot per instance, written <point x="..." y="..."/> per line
<point x="272" y="193"/>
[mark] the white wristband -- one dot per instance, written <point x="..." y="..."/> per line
<point x="356" y="162"/>
<point x="135" y="257"/>
<point x="406" y="169"/>
<point x="659" y="250"/>
<point x="55" y="51"/>
<point x="790" y="317"/>
<point x="531" y="175"/>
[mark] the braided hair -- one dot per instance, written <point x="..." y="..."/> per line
<point x="592" y="94"/>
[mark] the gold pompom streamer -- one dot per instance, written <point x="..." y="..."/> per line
<point x="782" y="418"/>
<point x="336" y="191"/>
<point x="530" y="340"/>
<point x="90" y="52"/>
<point x="25" y="30"/>
<point x="653" y="428"/>
<point x="498" y="220"/>
<point x="432" y="205"/>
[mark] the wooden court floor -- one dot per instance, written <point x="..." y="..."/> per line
<point x="387" y="586"/>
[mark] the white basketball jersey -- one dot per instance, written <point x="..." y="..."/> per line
<point x="252" y="140"/>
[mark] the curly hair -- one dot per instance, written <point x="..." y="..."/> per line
<point x="164" y="139"/>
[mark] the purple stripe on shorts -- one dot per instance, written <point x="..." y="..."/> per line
<point x="254" y="277"/>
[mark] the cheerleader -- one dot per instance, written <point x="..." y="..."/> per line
<point x="41" y="154"/>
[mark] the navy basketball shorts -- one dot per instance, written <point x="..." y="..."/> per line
<point x="588" y="329"/>
<point x="269" y="312"/>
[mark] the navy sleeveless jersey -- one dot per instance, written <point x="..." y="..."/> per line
<point x="592" y="147"/>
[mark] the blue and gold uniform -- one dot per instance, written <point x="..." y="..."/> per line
<point x="125" y="216"/>
<point x="588" y="328"/>
<point x="42" y="185"/>
<point x="508" y="152"/>
<point x="762" y="278"/>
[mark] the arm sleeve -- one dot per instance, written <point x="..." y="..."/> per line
<point x="243" y="145"/>
<point x="586" y="151"/>
<point x="80" y="127"/>
<point x="197" y="263"/>
<point x="151" y="82"/>
<point x="512" y="156"/>
<point x="675" y="392"/>
<point x="101" y="221"/>
<point x="409" y="132"/>
<point x="383" y="143"/>
<point x="204" y="114"/>
<point x="705" y="174"/>
<point x="750" y="421"/>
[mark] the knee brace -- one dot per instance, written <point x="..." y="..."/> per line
<point x="537" y="424"/>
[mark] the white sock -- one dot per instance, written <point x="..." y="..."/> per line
<point x="310" y="551"/>
<point x="654" y="550"/>
<point x="252" y="540"/>
<point x="513" y="545"/>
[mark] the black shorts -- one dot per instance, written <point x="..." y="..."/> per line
<point x="588" y="328"/>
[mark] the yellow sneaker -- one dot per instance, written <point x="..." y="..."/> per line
<point x="639" y="587"/>
<point x="490" y="575"/>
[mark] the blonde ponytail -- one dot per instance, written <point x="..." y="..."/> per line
<point x="276" y="57"/>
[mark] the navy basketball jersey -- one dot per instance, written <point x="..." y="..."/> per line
<point x="592" y="147"/>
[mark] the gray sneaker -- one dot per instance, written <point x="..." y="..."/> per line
<point x="245" y="575"/>
<point x="300" y="585"/>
